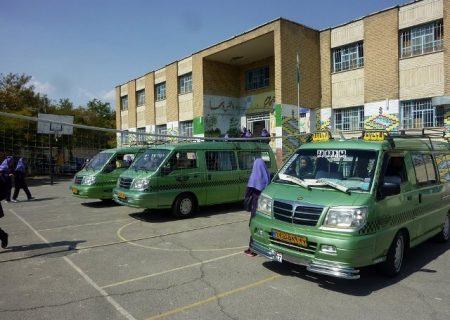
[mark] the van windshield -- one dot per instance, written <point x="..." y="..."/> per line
<point x="150" y="160"/>
<point x="341" y="169"/>
<point x="99" y="161"/>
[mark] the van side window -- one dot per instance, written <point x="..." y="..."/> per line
<point x="443" y="165"/>
<point x="185" y="160"/>
<point x="220" y="160"/>
<point x="424" y="168"/>
<point x="396" y="171"/>
<point x="246" y="159"/>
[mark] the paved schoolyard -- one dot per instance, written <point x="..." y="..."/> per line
<point x="72" y="258"/>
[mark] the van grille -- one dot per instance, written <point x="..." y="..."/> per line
<point x="297" y="213"/>
<point x="125" y="182"/>
<point x="78" y="179"/>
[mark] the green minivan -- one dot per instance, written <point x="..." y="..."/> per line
<point x="184" y="176"/>
<point x="98" y="178"/>
<point x="338" y="205"/>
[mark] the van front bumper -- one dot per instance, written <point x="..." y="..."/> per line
<point x="91" y="192"/>
<point x="134" y="199"/>
<point x="316" y="266"/>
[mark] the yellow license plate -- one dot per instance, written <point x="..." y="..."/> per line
<point x="290" y="238"/>
<point x="121" y="195"/>
<point x="74" y="190"/>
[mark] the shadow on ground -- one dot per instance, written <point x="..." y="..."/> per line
<point x="165" y="215"/>
<point x="100" y="204"/>
<point x="53" y="249"/>
<point x="46" y="180"/>
<point x="370" y="280"/>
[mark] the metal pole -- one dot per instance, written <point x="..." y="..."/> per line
<point x="298" y="92"/>
<point x="51" y="158"/>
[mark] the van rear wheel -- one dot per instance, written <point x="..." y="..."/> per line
<point x="443" y="236"/>
<point x="183" y="206"/>
<point x="394" y="260"/>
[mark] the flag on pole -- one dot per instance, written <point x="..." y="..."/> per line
<point x="297" y="69"/>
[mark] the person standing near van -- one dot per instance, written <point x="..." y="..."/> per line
<point x="3" y="193"/>
<point x="259" y="179"/>
<point x="6" y="173"/>
<point x="19" y="180"/>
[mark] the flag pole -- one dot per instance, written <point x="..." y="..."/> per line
<point x="297" y="68"/>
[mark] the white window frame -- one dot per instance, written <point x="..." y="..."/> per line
<point x="124" y="103"/>
<point x="160" y="91"/>
<point x="421" y="114"/>
<point x="140" y="97"/>
<point x="349" y="119"/>
<point x="348" y="57"/>
<point x="422" y="39"/>
<point x="185" y="83"/>
<point x="140" y="134"/>
<point x="186" y="128"/>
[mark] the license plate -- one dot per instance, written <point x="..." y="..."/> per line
<point x="290" y="238"/>
<point x="74" y="190"/>
<point x="121" y="195"/>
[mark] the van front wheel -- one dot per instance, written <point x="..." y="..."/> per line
<point x="394" y="260"/>
<point x="443" y="236"/>
<point x="183" y="206"/>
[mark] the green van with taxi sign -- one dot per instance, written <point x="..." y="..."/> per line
<point x="338" y="205"/>
<point x="184" y="176"/>
<point x="98" y="178"/>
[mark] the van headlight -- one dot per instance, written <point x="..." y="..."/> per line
<point x="88" y="180"/>
<point x="140" y="184"/>
<point x="350" y="218"/>
<point x="265" y="205"/>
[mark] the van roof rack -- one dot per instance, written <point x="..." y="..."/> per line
<point x="431" y="134"/>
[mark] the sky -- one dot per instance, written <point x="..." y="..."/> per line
<point x="83" y="49"/>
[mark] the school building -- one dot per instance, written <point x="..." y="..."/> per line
<point x="387" y="70"/>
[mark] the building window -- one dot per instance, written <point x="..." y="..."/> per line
<point x="124" y="137"/>
<point x="186" y="128"/>
<point x="421" y="114"/>
<point x="348" y="57"/>
<point x="140" y="97"/>
<point x="124" y="103"/>
<point x="349" y="119"/>
<point x="160" y="89"/>
<point x="185" y="83"/>
<point x="257" y="78"/>
<point x="161" y="129"/>
<point x="140" y="134"/>
<point x="422" y="39"/>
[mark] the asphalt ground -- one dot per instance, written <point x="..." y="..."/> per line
<point x="71" y="258"/>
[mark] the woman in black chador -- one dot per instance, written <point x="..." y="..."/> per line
<point x="19" y="180"/>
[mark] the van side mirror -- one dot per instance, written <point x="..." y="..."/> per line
<point x="389" y="189"/>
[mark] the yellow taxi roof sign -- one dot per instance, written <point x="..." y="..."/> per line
<point x="321" y="136"/>
<point x="374" y="135"/>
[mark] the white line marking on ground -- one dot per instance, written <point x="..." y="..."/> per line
<point x="171" y="270"/>
<point x="111" y="300"/>
<point x="130" y="241"/>
<point x="82" y="225"/>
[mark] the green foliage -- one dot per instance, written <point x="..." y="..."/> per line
<point x="17" y="95"/>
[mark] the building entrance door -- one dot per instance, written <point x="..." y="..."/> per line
<point x="258" y="122"/>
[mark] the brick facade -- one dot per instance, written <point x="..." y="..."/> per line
<point x="325" y="68"/>
<point x="172" y="92"/>
<point x="149" y="112"/>
<point x="132" y="121"/>
<point x="381" y="73"/>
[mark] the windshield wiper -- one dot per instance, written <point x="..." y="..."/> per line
<point x="334" y="185"/>
<point x="295" y="180"/>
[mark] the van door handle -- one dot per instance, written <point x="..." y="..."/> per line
<point x="408" y="197"/>
<point x="182" y="178"/>
<point x="420" y="198"/>
<point x="209" y="177"/>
